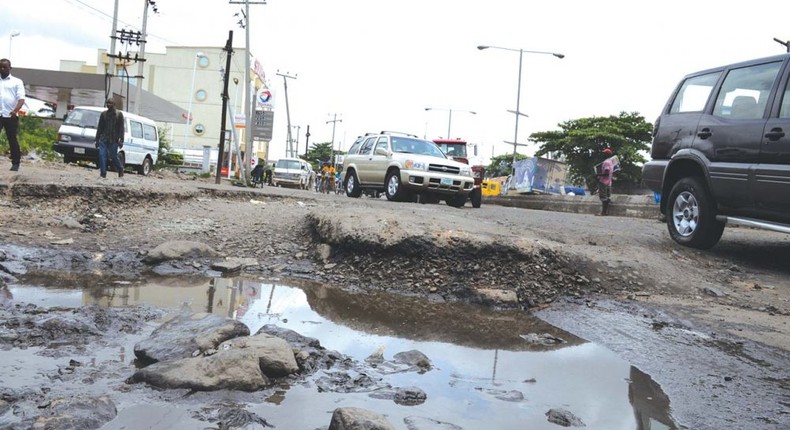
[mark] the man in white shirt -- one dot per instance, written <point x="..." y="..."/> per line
<point x="12" y="98"/>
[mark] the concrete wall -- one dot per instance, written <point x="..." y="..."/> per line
<point x="640" y="206"/>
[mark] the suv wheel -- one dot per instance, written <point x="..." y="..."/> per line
<point x="476" y="197"/>
<point x="352" y="185"/>
<point x="394" y="189"/>
<point x="691" y="215"/>
<point x="456" y="201"/>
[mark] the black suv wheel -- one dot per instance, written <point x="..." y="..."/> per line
<point x="691" y="215"/>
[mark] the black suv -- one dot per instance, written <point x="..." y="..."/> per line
<point x="721" y="151"/>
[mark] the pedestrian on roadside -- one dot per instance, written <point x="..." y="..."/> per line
<point x="12" y="98"/>
<point x="109" y="138"/>
<point x="269" y="172"/>
<point x="605" y="174"/>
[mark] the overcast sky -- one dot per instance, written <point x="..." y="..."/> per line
<point x="378" y="64"/>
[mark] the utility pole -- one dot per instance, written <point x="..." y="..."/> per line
<point x="225" y="79"/>
<point x="290" y="151"/>
<point x="296" y="141"/>
<point x="306" y="141"/>
<point x="139" y="93"/>
<point x="785" y="43"/>
<point x="334" y="122"/>
<point x="111" y="60"/>
<point x="249" y="107"/>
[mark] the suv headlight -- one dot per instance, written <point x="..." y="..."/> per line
<point x="415" y="165"/>
<point x="466" y="171"/>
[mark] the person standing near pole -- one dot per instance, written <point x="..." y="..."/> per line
<point x="109" y="138"/>
<point x="12" y="98"/>
<point x="605" y="181"/>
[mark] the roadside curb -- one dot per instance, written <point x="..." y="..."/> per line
<point x="637" y="206"/>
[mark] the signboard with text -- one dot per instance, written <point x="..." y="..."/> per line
<point x="262" y="124"/>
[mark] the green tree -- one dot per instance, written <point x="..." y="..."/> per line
<point x="35" y="136"/>
<point x="319" y="153"/>
<point x="581" y="141"/>
<point x="502" y="165"/>
<point x="167" y="157"/>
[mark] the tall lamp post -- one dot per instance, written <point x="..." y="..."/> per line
<point x="518" y="93"/>
<point x="450" y="118"/>
<point x="11" y="39"/>
<point x="198" y="56"/>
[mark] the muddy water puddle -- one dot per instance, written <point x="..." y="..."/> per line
<point x="490" y="368"/>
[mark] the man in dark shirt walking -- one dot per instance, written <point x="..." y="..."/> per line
<point x="109" y="138"/>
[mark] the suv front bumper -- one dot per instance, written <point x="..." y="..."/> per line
<point x="423" y="181"/>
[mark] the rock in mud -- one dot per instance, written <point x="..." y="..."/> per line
<point x="275" y="356"/>
<point x="233" y="416"/>
<point x="422" y="423"/>
<point x="410" y="396"/>
<point x="358" y="419"/>
<point x="564" y="418"/>
<point x="77" y="413"/>
<point x="243" y="364"/>
<point x="414" y="358"/>
<point x="187" y="334"/>
<point x="309" y="354"/>
<point x="179" y="249"/>
<point x="223" y="370"/>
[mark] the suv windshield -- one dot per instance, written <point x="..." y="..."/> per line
<point x="409" y="145"/>
<point x="83" y="118"/>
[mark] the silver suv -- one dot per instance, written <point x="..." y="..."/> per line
<point x="404" y="166"/>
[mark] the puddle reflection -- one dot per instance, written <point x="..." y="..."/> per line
<point x="485" y="375"/>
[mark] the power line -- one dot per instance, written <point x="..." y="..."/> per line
<point x="108" y="17"/>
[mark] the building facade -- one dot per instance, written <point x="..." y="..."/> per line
<point x="190" y="77"/>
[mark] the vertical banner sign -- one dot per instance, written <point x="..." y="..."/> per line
<point x="263" y="124"/>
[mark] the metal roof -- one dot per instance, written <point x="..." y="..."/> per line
<point x="87" y="89"/>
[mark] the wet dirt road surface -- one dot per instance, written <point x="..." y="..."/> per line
<point x="709" y="328"/>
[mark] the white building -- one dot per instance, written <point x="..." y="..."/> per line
<point x="192" y="78"/>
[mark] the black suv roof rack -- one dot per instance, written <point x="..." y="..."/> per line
<point x="397" y="132"/>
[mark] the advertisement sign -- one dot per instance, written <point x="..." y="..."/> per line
<point x="540" y="175"/>
<point x="263" y="99"/>
<point x="239" y="120"/>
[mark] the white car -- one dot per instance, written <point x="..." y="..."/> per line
<point x="36" y="107"/>
<point x="404" y="166"/>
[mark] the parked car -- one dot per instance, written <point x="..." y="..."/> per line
<point x="404" y="166"/>
<point x="77" y="135"/>
<point x="293" y="172"/>
<point x="36" y="107"/>
<point x="721" y="151"/>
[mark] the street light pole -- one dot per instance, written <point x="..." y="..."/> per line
<point x="450" y="117"/>
<point x="518" y="93"/>
<point x="784" y="43"/>
<point x="11" y="39"/>
<point x="198" y="56"/>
